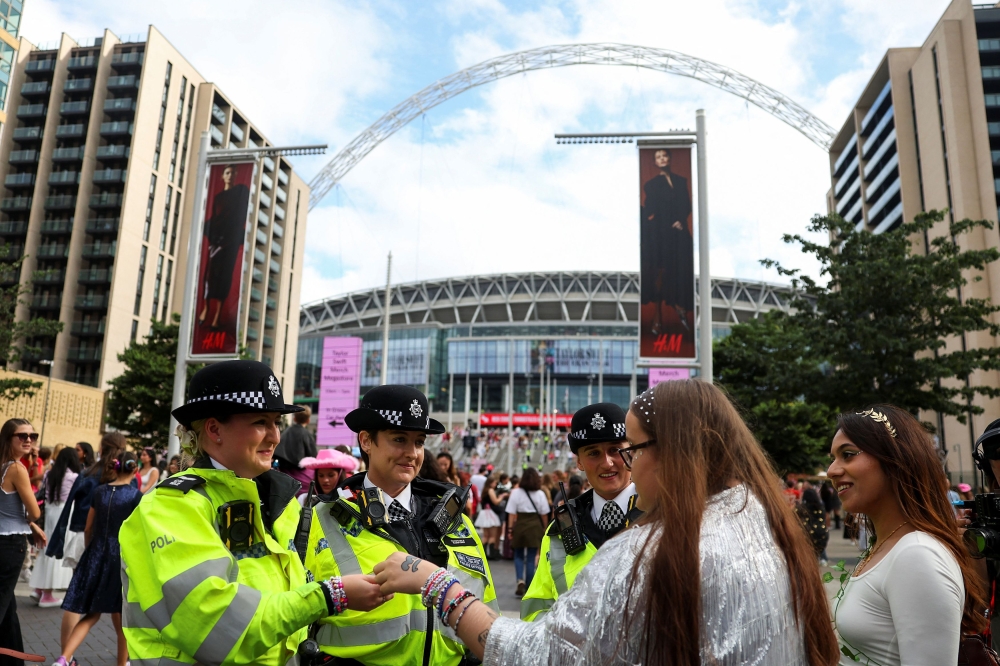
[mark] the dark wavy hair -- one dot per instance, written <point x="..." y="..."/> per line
<point x="126" y="463"/>
<point x="112" y="444"/>
<point x="530" y="480"/>
<point x="68" y="459"/>
<point x="88" y="454"/>
<point x="918" y="480"/>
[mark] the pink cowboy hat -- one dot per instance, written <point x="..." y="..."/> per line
<point x="330" y="459"/>
<point x="964" y="487"/>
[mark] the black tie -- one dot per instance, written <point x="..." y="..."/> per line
<point x="397" y="512"/>
<point x="612" y="517"/>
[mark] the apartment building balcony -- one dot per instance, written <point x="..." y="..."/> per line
<point x="282" y="177"/>
<point x="46" y="302"/>
<point x="40" y="66"/>
<point x="280" y="195"/>
<point x="87" y="328"/>
<point x="112" y="151"/>
<point x="92" y="302"/>
<point x="17" y="180"/>
<point x="50" y="277"/>
<point x="258" y="254"/>
<point x="274" y="266"/>
<point x="94" y="276"/>
<point x="79" y="108"/>
<point x="126" y="81"/>
<point x="102" y="225"/>
<point x="217" y="136"/>
<point x="53" y="251"/>
<point x="272" y="304"/>
<point x="82" y="62"/>
<point x="119" y="105"/>
<point x="279" y="213"/>
<point x="78" y="85"/>
<point x="32" y="110"/>
<point x="13" y="228"/>
<point x="255" y="295"/>
<point x="34" y="88"/>
<point x="218" y="115"/>
<point x="268" y="163"/>
<point x="258" y="275"/>
<point x="117" y="128"/>
<point x="74" y="154"/>
<point x="268" y="322"/>
<point x="268" y="341"/>
<point x="265" y="200"/>
<point x="127" y="59"/>
<point x="253" y="314"/>
<point x="64" y="178"/>
<point x="23" y="156"/>
<point x="84" y="354"/>
<point x="266" y="182"/>
<point x="57" y="226"/>
<point x="276" y="248"/>
<point x="262" y="238"/>
<point x="9" y="252"/>
<point x="10" y="278"/>
<point x="110" y="176"/>
<point x="272" y="286"/>
<point x="262" y="218"/>
<point x="28" y="134"/>
<point x="279" y="231"/>
<point x="99" y="250"/>
<point x="236" y="133"/>
<point x="252" y="334"/>
<point x="106" y="200"/>
<point x="37" y="354"/>
<point x="73" y="131"/>
<point x="8" y="204"/>
<point x="60" y="202"/>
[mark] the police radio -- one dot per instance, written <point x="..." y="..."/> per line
<point x="448" y="508"/>
<point x="373" y="509"/>
<point x="236" y="524"/>
<point x="569" y="529"/>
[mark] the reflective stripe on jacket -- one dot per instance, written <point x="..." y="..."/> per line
<point x="554" y="576"/>
<point x="395" y="632"/>
<point x="188" y="599"/>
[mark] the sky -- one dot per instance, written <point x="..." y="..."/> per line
<point x="478" y="185"/>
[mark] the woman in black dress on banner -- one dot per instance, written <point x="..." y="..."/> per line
<point x="666" y="245"/>
<point x="225" y="231"/>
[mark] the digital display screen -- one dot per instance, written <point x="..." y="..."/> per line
<point x="564" y="519"/>
<point x="452" y="506"/>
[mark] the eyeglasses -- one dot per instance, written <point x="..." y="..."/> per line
<point x="629" y="454"/>
<point x="25" y="436"/>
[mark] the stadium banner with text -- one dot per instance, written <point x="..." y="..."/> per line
<point x="222" y="259"/>
<point x="339" y="390"/>
<point x="492" y="420"/>
<point x="666" y="254"/>
<point x="657" y="375"/>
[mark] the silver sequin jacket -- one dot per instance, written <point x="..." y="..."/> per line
<point x="747" y="614"/>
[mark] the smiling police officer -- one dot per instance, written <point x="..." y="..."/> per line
<point x="596" y="434"/>
<point x="389" y="509"/>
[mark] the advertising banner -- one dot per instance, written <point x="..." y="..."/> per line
<point x="657" y="375"/>
<point x="490" y="420"/>
<point x="408" y="362"/>
<point x="223" y="253"/>
<point x="339" y="389"/>
<point x="666" y="254"/>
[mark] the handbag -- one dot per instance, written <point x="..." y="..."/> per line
<point x="973" y="651"/>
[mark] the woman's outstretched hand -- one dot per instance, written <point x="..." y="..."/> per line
<point x="403" y="573"/>
<point x="363" y="593"/>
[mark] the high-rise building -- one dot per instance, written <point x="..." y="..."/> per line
<point x="925" y="135"/>
<point x="99" y="166"/>
<point x="10" y="25"/>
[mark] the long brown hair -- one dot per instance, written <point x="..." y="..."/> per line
<point x="7" y="431"/>
<point x="112" y="443"/>
<point x="703" y="445"/>
<point x="919" y="483"/>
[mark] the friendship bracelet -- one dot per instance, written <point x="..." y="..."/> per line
<point x="427" y="592"/>
<point x="454" y="604"/>
<point x="462" y="614"/>
<point x="336" y="597"/>
<point x="444" y="594"/>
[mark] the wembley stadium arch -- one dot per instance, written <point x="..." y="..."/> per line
<point x="468" y="336"/>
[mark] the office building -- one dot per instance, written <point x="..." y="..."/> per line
<point x="10" y="25"/>
<point x="925" y="135"/>
<point x="99" y="164"/>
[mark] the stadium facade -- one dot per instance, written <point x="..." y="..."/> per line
<point x="470" y="338"/>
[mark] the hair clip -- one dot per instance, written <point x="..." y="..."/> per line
<point x="645" y="410"/>
<point x="118" y="465"/>
<point x="880" y="418"/>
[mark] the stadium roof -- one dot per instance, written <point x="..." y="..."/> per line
<point x="564" y="297"/>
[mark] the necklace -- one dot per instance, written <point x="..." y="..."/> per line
<point x="871" y="553"/>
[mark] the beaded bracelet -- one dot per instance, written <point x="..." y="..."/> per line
<point x="454" y="603"/>
<point x="430" y="586"/>
<point x="444" y="594"/>
<point x="337" y="597"/>
<point x="462" y="614"/>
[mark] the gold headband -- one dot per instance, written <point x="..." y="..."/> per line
<point x="881" y="418"/>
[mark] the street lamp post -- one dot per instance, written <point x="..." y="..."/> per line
<point x="45" y="402"/>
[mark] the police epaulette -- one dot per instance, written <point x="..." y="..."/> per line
<point x="183" y="482"/>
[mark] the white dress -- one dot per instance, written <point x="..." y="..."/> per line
<point x="49" y="572"/>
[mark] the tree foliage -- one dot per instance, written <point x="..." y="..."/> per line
<point x="18" y="339"/>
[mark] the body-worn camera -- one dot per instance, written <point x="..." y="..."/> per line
<point x="373" y="509"/>
<point x="572" y="537"/>
<point x="448" y="508"/>
<point x="982" y="537"/>
<point x="236" y="524"/>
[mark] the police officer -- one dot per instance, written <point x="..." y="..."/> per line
<point x="596" y="433"/>
<point x="391" y="510"/>
<point x="210" y="572"/>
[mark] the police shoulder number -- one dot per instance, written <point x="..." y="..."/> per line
<point x="182" y="482"/>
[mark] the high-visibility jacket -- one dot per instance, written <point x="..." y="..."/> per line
<point x="400" y="631"/>
<point x="188" y="599"/>
<point x="556" y="569"/>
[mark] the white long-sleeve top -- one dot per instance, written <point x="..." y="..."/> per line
<point x="906" y="610"/>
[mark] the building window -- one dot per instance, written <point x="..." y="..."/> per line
<point x="187" y="135"/>
<point x="135" y="329"/>
<point x="177" y="129"/>
<point x="166" y="291"/>
<point x="10" y="16"/>
<point x="163" y="115"/>
<point x="177" y="215"/>
<point x="138" y="284"/>
<point x="149" y="209"/>
<point x="156" y="284"/>
<point x="166" y="218"/>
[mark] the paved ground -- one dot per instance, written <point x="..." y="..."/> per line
<point x="40" y="626"/>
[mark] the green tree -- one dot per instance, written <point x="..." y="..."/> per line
<point x="19" y="339"/>
<point x="881" y="321"/>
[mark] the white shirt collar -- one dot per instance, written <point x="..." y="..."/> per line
<point x="403" y="497"/>
<point x="621" y="500"/>
<point x="217" y="465"/>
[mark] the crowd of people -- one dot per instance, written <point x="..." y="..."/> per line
<point x="670" y="541"/>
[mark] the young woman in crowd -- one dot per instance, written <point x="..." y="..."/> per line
<point x="713" y="506"/>
<point x="329" y="467"/>
<point x="96" y="587"/>
<point x="528" y="516"/>
<point x="174" y="465"/>
<point x="915" y="591"/>
<point x="86" y="453"/>
<point x="447" y="466"/>
<point x="49" y="574"/>
<point x="17" y="509"/>
<point x="149" y="473"/>
<point x="488" y="522"/>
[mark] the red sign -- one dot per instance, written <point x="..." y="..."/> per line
<point x="524" y="420"/>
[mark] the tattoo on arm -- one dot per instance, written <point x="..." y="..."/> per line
<point x="413" y="567"/>
<point x="485" y="634"/>
<point x="406" y="563"/>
